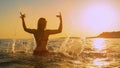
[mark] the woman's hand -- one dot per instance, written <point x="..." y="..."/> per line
<point x="59" y="16"/>
<point x="22" y="15"/>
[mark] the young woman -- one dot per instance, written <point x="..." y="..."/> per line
<point x="41" y="34"/>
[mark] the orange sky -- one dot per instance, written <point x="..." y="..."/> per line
<point x="80" y="17"/>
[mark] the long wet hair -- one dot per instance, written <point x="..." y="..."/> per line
<point x="41" y="24"/>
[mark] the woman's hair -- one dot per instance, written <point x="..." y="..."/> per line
<point x="42" y="23"/>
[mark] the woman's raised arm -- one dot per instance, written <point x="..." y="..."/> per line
<point x="24" y="25"/>
<point x="59" y="30"/>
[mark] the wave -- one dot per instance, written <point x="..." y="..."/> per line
<point x="68" y="53"/>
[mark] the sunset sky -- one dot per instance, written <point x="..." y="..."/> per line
<point x="81" y="18"/>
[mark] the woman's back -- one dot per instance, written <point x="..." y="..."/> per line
<point x="41" y="35"/>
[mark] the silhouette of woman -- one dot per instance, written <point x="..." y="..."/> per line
<point x="41" y="34"/>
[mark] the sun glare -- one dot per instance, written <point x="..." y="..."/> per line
<point x="98" y="44"/>
<point x="99" y="17"/>
<point x="99" y="62"/>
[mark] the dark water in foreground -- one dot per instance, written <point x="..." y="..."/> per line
<point x="70" y="53"/>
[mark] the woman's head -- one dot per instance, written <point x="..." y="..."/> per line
<point x="42" y="23"/>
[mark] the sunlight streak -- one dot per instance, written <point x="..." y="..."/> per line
<point x="100" y="62"/>
<point x="98" y="44"/>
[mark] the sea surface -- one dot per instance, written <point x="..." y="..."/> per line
<point x="69" y="52"/>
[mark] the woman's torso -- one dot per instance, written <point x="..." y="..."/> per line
<point x="41" y="39"/>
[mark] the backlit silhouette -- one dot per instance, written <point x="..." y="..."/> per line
<point x="41" y="34"/>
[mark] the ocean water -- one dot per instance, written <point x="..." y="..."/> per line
<point x="70" y="52"/>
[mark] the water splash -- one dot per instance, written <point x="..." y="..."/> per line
<point x="13" y="46"/>
<point x="72" y="46"/>
<point x="63" y="46"/>
<point x="20" y="45"/>
<point x="8" y="47"/>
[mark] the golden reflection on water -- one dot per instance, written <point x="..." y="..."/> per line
<point x="99" y="62"/>
<point x="99" y="44"/>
